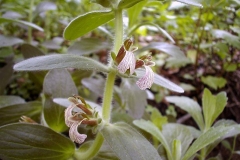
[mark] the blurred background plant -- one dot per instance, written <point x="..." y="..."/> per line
<point x="209" y="37"/>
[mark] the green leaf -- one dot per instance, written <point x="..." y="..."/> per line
<point x="87" y="46"/>
<point x="167" y="48"/>
<point x="6" y="41"/>
<point x="32" y="141"/>
<point x="212" y="135"/>
<point x="212" y="106"/>
<point x="57" y="84"/>
<point x="228" y="37"/>
<point x="190" y="106"/>
<point x="59" y="61"/>
<point x="176" y="148"/>
<point x="12" y="113"/>
<point x="174" y="131"/>
<point x="153" y="130"/>
<point x="30" y="51"/>
<point x="214" y="82"/>
<point x="134" y="99"/>
<point x="10" y="100"/>
<point x="123" y="4"/>
<point x="134" y="28"/>
<point x="2" y="20"/>
<point x="127" y="143"/>
<point x="105" y="3"/>
<point x="86" y="23"/>
<point x="191" y="2"/>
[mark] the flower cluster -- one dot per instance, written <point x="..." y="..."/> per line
<point x="86" y="116"/>
<point x="127" y="63"/>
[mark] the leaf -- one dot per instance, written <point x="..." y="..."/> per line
<point x="105" y="3"/>
<point x="57" y="84"/>
<point x="123" y="4"/>
<point x="153" y="130"/>
<point x="10" y="100"/>
<point x="12" y="113"/>
<point x="2" y="20"/>
<point x="173" y="131"/>
<point x="59" y="61"/>
<point x="134" y="12"/>
<point x="45" y="6"/>
<point x="159" y="80"/>
<point x="167" y="48"/>
<point x="189" y="106"/>
<point x="134" y="28"/>
<point x="133" y="98"/>
<point x="96" y="85"/>
<point x="6" y="73"/>
<point x="87" y="46"/>
<point x="210" y="136"/>
<point x="191" y="2"/>
<point x="212" y="106"/>
<point x="6" y="41"/>
<point x="30" y="51"/>
<point x="86" y="23"/>
<point x="214" y="82"/>
<point x="127" y="143"/>
<point x="228" y="37"/>
<point x="33" y="141"/>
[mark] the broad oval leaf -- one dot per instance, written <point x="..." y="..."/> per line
<point x="10" y="100"/>
<point x="2" y="19"/>
<point x="32" y="141"/>
<point x="153" y="130"/>
<point x="123" y="4"/>
<point x="189" y="106"/>
<point x="191" y="2"/>
<point x="86" y="23"/>
<point x="212" y="135"/>
<point x="59" y="61"/>
<point x="127" y="143"/>
<point x="57" y="83"/>
<point x="6" y="41"/>
<point x="12" y="113"/>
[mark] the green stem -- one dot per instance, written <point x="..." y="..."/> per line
<point x="108" y="92"/>
<point x="30" y="18"/>
<point x="92" y="151"/>
<point x="203" y="153"/>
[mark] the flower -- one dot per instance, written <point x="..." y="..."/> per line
<point x="85" y="116"/>
<point x="128" y="62"/>
<point x="147" y="80"/>
<point x="74" y="135"/>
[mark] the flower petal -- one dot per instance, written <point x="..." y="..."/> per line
<point x="75" y="135"/>
<point x="147" y="80"/>
<point x="128" y="62"/>
<point x="68" y="114"/>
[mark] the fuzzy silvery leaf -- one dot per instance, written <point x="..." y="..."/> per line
<point x="59" y="61"/>
<point x="191" y="2"/>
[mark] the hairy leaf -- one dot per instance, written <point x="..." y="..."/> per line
<point x="59" y="61"/>
<point x="127" y="143"/>
<point x="86" y="23"/>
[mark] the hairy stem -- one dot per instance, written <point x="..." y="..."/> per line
<point x="30" y="18"/>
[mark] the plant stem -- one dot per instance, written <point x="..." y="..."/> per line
<point x="107" y="98"/>
<point x="203" y="153"/>
<point x="108" y="92"/>
<point x="30" y="18"/>
<point x="92" y="151"/>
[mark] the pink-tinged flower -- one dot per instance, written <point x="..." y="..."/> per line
<point x="147" y="80"/>
<point x="68" y="115"/>
<point x="128" y="62"/>
<point x="75" y="135"/>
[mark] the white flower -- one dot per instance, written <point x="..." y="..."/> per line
<point x="128" y="62"/>
<point x="147" y="80"/>
<point x="75" y="135"/>
<point x="68" y="114"/>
